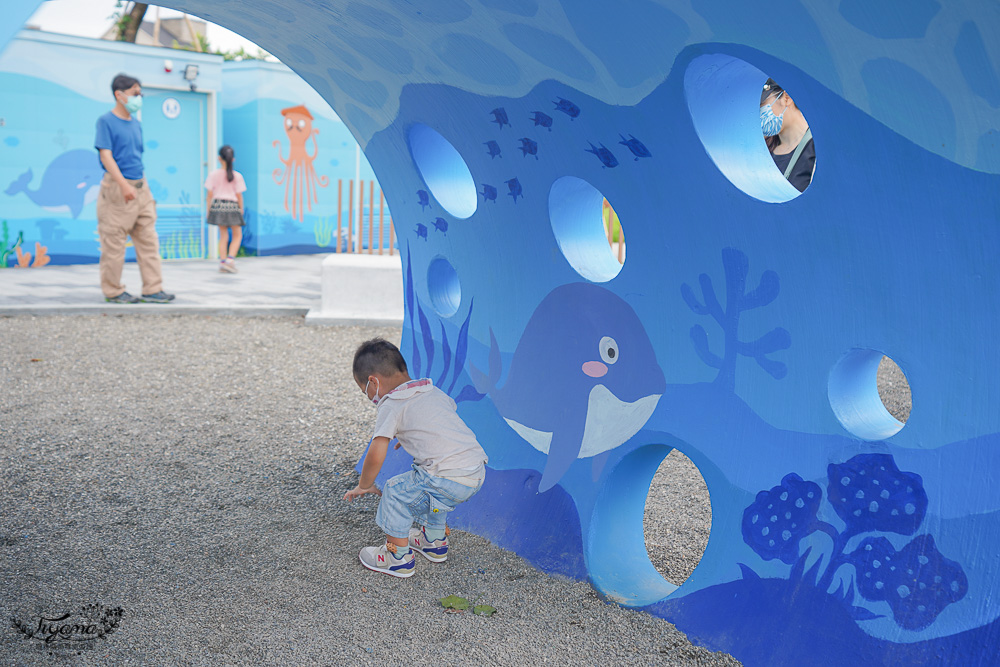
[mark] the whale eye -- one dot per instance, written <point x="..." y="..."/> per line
<point x="609" y="350"/>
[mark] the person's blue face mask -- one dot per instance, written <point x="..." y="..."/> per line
<point x="134" y="103"/>
<point x="769" y="123"/>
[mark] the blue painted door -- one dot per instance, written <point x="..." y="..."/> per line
<point x="174" y="131"/>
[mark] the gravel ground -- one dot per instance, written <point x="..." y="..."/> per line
<point x="190" y="470"/>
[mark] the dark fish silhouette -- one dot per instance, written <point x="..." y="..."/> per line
<point x="441" y="225"/>
<point x="567" y="108"/>
<point x="500" y="117"/>
<point x="423" y="199"/>
<point x="637" y="147"/>
<point x="542" y="119"/>
<point x="515" y="189"/>
<point x="489" y="193"/>
<point x="422" y="231"/>
<point x="529" y="147"/>
<point x="493" y="148"/>
<point x="606" y="157"/>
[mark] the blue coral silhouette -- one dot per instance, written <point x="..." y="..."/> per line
<point x="870" y="494"/>
<point x="738" y="300"/>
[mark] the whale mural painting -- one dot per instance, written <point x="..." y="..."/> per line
<point x="71" y="181"/>
<point x="654" y="105"/>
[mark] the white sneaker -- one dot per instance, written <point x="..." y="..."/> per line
<point x="436" y="551"/>
<point x="378" y="559"/>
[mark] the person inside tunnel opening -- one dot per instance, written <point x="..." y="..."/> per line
<point x="787" y="136"/>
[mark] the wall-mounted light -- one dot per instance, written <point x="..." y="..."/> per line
<point x="190" y="74"/>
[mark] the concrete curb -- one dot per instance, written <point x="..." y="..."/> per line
<point x="38" y="310"/>
<point x="316" y="317"/>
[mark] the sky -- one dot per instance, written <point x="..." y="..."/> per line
<point x="92" y="18"/>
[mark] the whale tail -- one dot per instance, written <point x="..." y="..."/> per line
<point x="487" y="384"/>
<point x="20" y="185"/>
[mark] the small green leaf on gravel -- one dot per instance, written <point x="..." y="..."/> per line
<point x="455" y="602"/>
<point x="484" y="610"/>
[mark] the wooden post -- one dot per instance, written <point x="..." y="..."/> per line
<point x="361" y="214"/>
<point x="350" y="217"/>
<point x="340" y="209"/>
<point x="621" y="243"/>
<point x="371" y="213"/>
<point x="381" y="229"/>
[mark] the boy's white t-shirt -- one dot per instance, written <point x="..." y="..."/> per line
<point x="425" y="421"/>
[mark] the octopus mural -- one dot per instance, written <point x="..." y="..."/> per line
<point x="299" y="177"/>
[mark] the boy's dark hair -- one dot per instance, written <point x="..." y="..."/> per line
<point x="377" y="356"/>
<point x="123" y="82"/>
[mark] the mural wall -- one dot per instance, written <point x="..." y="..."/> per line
<point x="55" y="87"/>
<point x="746" y="324"/>
<point x="292" y="149"/>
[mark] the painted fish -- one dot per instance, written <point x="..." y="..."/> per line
<point x="529" y="147"/>
<point x="637" y="147"/>
<point x="582" y="381"/>
<point x="542" y="119"/>
<point x="493" y="148"/>
<point x="423" y="199"/>
<point x="567" y="108"/>
<point x="606" y="157"/>
<point x="489" y="193"/>
<point x="441" y="225"/>
<point x="71" y="181"/>
<point x="422" y="231"/>
<point x="514" y="186"/>
<point x="500" y="117"/>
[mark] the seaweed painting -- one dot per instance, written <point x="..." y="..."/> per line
<point x="452" y="361"/>
<point x="870" y="495"/>
<point x="738" y="300"/>
<point x="6" y="250"/>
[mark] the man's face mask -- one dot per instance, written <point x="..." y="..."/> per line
<point x="133" y="103"/>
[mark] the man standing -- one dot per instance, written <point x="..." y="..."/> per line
<point x="125" y="206"/>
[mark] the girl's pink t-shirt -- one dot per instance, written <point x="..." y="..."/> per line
<point x="222" y="188"/>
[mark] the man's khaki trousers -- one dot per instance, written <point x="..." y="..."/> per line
<point x="116" y="221"/>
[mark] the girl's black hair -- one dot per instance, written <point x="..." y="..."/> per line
<point x="226" y="153"/>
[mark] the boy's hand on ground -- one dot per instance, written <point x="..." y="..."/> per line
<point x="357" y="492"/>
<point x="128" y="192"/>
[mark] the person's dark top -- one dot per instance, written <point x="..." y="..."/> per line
<point x="124" y="139"/>
<point x="801" y="175"/>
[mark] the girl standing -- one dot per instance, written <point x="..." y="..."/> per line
<point x="225" y="208"/>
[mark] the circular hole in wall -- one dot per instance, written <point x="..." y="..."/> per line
<point x="586" y="229"/>
<point x="444" y="287"/>
<point x="862" y="385"/>
<point x="646" y="535"/>
<point x="443" y="170"/>
<point x="677" y="519"/>
<point x="724" y="97"/>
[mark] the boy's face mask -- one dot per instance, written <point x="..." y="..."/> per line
<point x="769" y="123"/>
<point x="376" y="398"/>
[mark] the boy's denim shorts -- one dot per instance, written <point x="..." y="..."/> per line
<point x="418" y="496"/>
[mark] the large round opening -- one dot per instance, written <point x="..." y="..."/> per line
<point x="586" y="229"/>
<point x="444" y="171"/>
<point x="647" y="490"/>
<point x="724" y="97"/>
<point x="861" y="387"/>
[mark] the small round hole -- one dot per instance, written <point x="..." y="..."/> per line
<point x="444" y="287"/>
<point x="444" y="171"/>
<point x="585" y="229"/>
<point x="678" y="518"/>
<point x="860" y="397"/>
<point x="724" y="97"/>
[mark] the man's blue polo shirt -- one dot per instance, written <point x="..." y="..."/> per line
<point x="124" y="139"/>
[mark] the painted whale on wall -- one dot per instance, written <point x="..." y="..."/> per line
<point x="583" y="379"/>
<point x="71" y="181"/>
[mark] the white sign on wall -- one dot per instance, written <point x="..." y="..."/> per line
<point x="171" y="108"/>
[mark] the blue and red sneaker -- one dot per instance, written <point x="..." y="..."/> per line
<point x="436" y="551"/>
<point x="386" y="559"/>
